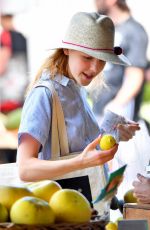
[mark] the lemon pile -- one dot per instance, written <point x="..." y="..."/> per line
<point x="43" y="202"/>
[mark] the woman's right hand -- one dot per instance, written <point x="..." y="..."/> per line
<point x="142" y="189"/>
<point x="91" y="157"/>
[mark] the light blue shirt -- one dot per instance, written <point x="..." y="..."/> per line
<point x="82" y="127"/>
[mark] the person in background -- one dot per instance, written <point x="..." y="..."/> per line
<point x="77" y="61"/>
<point x="142" y="189"/>
<point x="124" y="84"/>
<point x="147" y="73"/>
<point x="13" y="65"/>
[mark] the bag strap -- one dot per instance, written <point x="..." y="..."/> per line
<point x="59" y="139"/>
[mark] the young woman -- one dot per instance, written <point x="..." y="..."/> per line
<point x="77" y="61"/>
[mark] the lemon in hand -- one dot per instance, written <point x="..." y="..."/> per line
<point x="107" y="142"/>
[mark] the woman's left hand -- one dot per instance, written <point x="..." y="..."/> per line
<point x="127" y="131"/>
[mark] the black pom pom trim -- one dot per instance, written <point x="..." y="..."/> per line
<point x="118" y="50"/>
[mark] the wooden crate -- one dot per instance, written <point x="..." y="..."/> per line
<point x="137" y="212"/>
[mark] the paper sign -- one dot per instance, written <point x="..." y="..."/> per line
<point x="110" y="122"/>
<point x="114" y="180"/>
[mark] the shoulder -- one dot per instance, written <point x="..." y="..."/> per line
<point x="38" y="99"/>
<point x="36" y="114"/>
<point x="39" y="92"/>
<point x="136" y="27"/>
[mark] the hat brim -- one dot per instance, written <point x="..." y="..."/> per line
<point x="101" y="55"/>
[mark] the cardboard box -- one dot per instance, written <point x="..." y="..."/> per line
<point x="137" y="212"/>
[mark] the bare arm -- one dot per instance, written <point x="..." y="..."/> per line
<point x="31" y="168"/>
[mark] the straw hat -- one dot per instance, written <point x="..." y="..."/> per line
<point x="93" y="34"/>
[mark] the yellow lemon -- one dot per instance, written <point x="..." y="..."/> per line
<point x="9" y="194"/>
<point x="70" y="206"/>
<point x="118" y="219"/>
<point x="111" y="226"/>
<point x="107" y="142"/>
<point x="129" y="197"/>
<point x="31" y="210"/>
<point x="44" y="189"/>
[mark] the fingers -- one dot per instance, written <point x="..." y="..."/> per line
<point x="142" y="199"/>
<point x="135" y="183"/>
<point x="124" y="133"/>
<point x="130" y="122"/>
<point x="111" y="151"/>
<point x="103" y="160"/>
<point x="93" y="157"/>
<point x="130" y="127"/>
<point x="137" y="188"/>
<point x="108" y="155"/>
<point x="141" y="178"/>
<point x="134" y="128"/>
<point x="127" y="132"/>
<point x="93" y="144"/>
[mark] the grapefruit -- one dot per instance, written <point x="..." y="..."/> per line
<point x="70" y="206"/>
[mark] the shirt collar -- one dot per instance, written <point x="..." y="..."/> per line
<point x="63" y="80"/>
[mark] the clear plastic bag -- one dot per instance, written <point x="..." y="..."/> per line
<point x="136" y="154"/>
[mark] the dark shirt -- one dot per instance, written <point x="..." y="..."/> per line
<point x="132" y="37"/>
<point x="14" y="40"/>
<point x="14" y="80"/>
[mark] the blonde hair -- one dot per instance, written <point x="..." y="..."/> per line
<point x="57" y="63"/>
